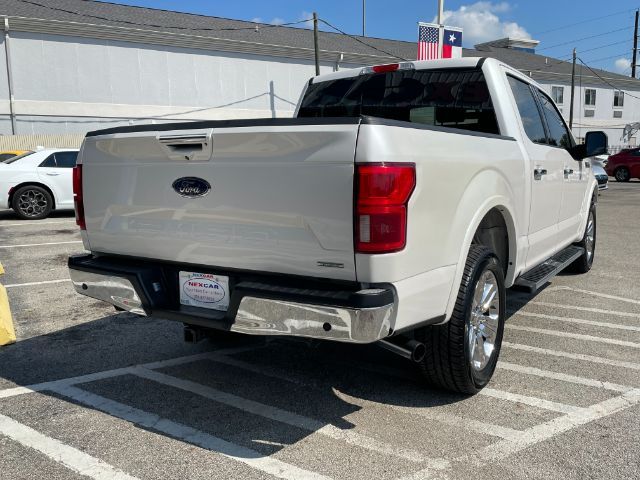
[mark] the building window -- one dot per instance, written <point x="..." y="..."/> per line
<point x="618" y="98"/>
<point x="557" y="93"/>
<point x="617" y="114"/>
<point x="589" y="113"/>
<point x="590" y="97"/>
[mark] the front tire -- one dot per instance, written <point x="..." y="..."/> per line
<point x="462" y="354"/>
<point x="32" y="202"/>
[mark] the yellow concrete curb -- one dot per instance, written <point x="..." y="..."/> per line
<point x="7" y="332"/>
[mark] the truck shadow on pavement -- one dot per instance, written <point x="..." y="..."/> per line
<point x="262" y="394"/>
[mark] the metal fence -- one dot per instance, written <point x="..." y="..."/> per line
<point x="31" y="142"/>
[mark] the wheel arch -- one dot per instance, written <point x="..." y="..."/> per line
<point x="31" y="183"/>
<point x="495" y="214"/>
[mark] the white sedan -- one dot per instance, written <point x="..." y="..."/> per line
<point x="36" y="183"/>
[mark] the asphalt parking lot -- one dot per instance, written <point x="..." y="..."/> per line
<point x="88" y="392"/>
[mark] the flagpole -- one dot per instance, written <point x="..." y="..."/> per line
<point x="440" y="27"/>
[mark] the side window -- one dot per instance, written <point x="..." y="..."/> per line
<point x="49" y="162"/>
<point x="528" y="108"/>
<point x="559" y="135"/>
<point x="66" y="159"/>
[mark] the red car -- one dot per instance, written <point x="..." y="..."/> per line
<point x="624" y="165"/>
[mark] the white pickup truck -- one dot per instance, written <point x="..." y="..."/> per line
<point x="396" y="207"/>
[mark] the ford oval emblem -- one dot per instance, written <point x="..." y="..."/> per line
<point x="191" y="187"/>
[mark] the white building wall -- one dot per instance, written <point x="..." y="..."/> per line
<point x="603" y="111"/>
<point x="66" y="84"/>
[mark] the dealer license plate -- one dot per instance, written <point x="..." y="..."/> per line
<point x="204" y="290"/>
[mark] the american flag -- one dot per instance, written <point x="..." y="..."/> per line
<point x="428" y="35"/>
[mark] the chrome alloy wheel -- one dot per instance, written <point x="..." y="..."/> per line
<point x="484" y="321"/>
<point x="590" y="236"/>
<point x="32" y="203"/>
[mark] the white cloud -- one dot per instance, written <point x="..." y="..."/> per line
<point x="277" y="21"/>
<point x="622" y="65"/>
<point x="306" y="16"/>
<point x="257" y="20"/>
<point x="480" y="22"/>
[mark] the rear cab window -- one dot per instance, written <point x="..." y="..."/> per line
<point x="454" y="98"/>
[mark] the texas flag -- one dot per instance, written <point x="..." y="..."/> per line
<point x="452" y="43"/>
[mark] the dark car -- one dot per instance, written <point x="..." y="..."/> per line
<point x="624" y="165"/>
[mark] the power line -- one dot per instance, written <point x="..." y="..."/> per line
<point x="585" y="38"/>
<point x="598" y="48"/>
<point x="592" y="19"/>
<point x="152" y="25"/>
<point x="609" y="57"/>
<point x="605" y="80"/>
<point x="362" y="42"/>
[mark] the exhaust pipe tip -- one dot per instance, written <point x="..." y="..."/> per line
<point x="411" y="349"/>
<point x="418" y="350"/>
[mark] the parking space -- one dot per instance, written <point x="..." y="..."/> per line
<point x="89" y="392"/>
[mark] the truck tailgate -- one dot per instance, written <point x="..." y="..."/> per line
<point x="280" y="198"/>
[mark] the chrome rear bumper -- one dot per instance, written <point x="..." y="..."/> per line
<point x="254" y="315"/>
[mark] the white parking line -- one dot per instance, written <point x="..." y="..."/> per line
<point x="531" y="401"/>
<point x="585" y="309"/>
<point x="447" y="419"/>
<point x="92" y="377"/>
<point x="30" y="284"/>
<point x="70" y="457"/>
<point x="39" y="244"/>
<point x="563" y="377"/>
<point x="478" y="426"/>
<point x="579" y="321"/>
<point x="254" y="459"/>
<point x="574" y="356"/>
<point x="533" y="435"/>
<point x="547" y="430"/>
<point x="279" y="415"/>
<point x="71" y="221"/>
<point x="576" y="336"/>
<point x="597" y="294"/>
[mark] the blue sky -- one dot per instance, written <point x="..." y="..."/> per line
<point x="560" y="25"/>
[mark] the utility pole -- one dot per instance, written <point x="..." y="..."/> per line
<point x="364" y="18"/>
<point x="315" y="42"/>
<point x="635" y="48"/>
<point x="573" y="88"/>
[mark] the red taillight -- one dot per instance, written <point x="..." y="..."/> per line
<point x="390" y="67"/>
<point x="382" y="193"/>
<point x="78" y="200"/>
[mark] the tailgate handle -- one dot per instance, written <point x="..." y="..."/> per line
<point x="182" y="144"/>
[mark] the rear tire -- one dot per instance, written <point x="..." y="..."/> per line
<point x="622" y="174"/>
<point x="583" y="263"/>
<point x="462" y="354"/>
<point x="32" y="202"/>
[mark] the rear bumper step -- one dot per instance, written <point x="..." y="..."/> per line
<point x="263" y="306"/>
<point x="535" y="278"/>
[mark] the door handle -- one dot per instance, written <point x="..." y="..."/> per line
<point x="538" y="173"/>
<point x="568" y="171"/>
<point x="52" y="174"/>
